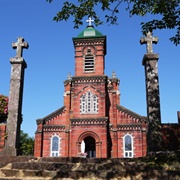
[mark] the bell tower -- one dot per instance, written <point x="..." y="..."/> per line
<point x="89" y="118"/>
<point x="90" y="51"/>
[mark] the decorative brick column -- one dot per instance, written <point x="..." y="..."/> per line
<point x="15" y="100"/>
<point x="114" y="94"/>
<point x="150" y="62"/>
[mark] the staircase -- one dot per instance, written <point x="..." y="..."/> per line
<point x="56" y="168"/>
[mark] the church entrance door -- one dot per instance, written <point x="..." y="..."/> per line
<point x="90" y="146"/>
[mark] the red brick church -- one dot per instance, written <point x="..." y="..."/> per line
<point x="92" y="118"/>
<point x="92" y="122"/>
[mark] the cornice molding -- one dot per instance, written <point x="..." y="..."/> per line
<point x="88" y="41"/>
<point x="66" y="82"/>
<point x="112" y="80"/>
<point x="53" y="128"/>
<point x="89" y="79"/>
<point x="89" y="121"/>
<point x="129" y="127"/>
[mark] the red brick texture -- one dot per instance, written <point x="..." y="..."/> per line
<point x="107" y="127"/>
<point x="2" y="136"/>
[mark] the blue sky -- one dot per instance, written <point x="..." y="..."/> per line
<point x="50" y="58"/>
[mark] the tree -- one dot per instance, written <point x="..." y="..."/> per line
<point x="26" y="145"/>
<point x="168" y="12"/>
<point x="3" y="107"/>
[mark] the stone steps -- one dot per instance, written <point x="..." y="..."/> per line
<point x="24" y="178"/>
<point x="26" y="173"/>
<point x="82" y="169"/>
<point x="23" y="174"/>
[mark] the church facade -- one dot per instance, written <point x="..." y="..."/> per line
<point x="92" y="122"/>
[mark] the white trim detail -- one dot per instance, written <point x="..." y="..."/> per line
<point x="89" y="62"/>
<point x="89" y="103"/>
<point x="55" y="146"/>
<point x="128" y="146"/>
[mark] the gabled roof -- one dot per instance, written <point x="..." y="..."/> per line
<point x="131" y="113"/>
<point x="50" y="116"/>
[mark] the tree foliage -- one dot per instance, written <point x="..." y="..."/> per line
<point x="168" y="12"/>
<point x="3" y="106"/>
<point x="26" y="145"/>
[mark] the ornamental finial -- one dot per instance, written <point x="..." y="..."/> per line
<point x="113" y="74"/>
<point x="69" y="76"/>
<point x="90" y="20"/>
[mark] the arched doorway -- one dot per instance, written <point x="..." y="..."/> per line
<point x="90" y="146"/>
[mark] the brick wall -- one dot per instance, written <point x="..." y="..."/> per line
<point x="2" y="136"/>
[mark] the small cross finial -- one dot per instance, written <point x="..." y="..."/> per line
<point x="90" y="20"/>
<point x="19" y="46"/>
<point x="69" y="76"/>
<point x="113" y="74"/>
<point x="149" y="40"/>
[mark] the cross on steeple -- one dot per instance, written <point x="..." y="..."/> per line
<point x="90" y="20"/>
<point x="149" y="40"/>
<point x="113" y="74"/>
<point x="19" y="46"/>
<point x="69" y="76"/>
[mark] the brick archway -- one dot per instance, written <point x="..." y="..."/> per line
<point x="97" y="142"/>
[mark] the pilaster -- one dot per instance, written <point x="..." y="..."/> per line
<point x="67" y="103"/>
<point x="115" y="143"/>
<point x="38" y="144"/>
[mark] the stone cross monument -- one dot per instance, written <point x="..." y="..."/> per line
<point x="19" y="45"/>
<point x="149" y="40"/>
<point x="15" y="99"/>
<point x="150" y="62"/>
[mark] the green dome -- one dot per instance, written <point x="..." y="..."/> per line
<point x="90" y="32"/>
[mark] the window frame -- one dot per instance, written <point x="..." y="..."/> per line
<point x="128" y="153"/>
<point x="55" y="153"/>
<point x="89" y="103"/>
<point x="89" y="63"/>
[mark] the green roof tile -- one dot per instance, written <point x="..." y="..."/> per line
<point x="89" y="32"/>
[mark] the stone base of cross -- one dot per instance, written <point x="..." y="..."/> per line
<point x="8" y="151"/>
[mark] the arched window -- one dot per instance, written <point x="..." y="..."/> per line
<point x="89" y="103"/>
<point x="128" y="146"/>
<point x="89" y="62"/>
<point x="55" y="146"/>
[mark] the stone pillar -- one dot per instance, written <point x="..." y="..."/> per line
<point x="15" y="100"/>
<point x="150" y="62"/>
